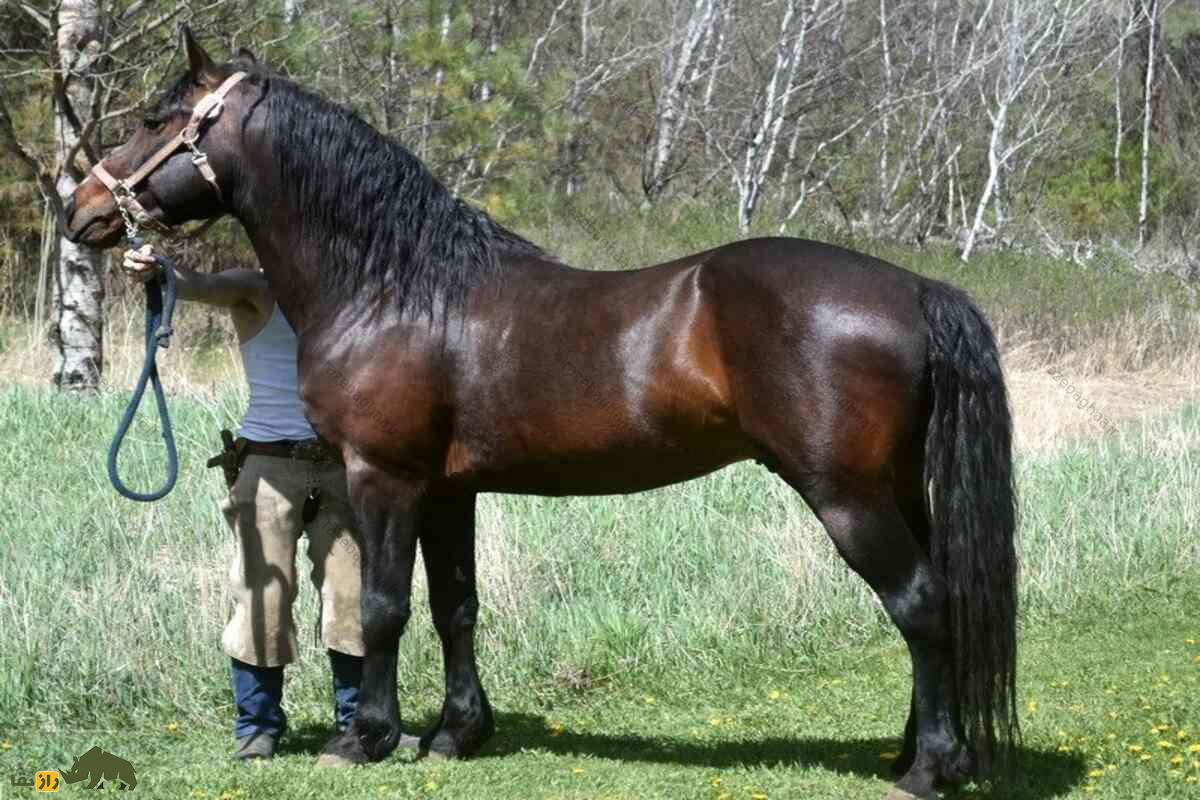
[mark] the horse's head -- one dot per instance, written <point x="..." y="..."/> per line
<point x="180" y="163"/>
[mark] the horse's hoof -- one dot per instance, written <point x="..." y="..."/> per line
<point x="334" y="760"/>
<point x="409" y="742"/>
<point x="900" y="794"/>
<point x="431" y="755"/>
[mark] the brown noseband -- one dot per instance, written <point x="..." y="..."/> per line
<point x="133" y="212"/>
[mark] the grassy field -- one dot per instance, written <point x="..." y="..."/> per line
<point x="702" y="641"/>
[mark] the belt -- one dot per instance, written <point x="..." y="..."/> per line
<point x="317" y="450"/>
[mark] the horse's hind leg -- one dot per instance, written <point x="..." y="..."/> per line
<point x="911" y="500"/>
<point x="869" y="530"/>
<point x="448" y="550"/>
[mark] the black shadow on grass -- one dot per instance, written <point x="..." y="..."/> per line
<point x="1041" y="774"/>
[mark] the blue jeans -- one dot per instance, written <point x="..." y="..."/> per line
<point x="258" y="695"/>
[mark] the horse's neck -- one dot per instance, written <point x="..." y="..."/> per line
<point x="290" y="268"/>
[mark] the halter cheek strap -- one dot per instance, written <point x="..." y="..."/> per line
<point x="123" y="190"/>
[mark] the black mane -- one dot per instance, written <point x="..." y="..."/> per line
<point x="382" y="222"/>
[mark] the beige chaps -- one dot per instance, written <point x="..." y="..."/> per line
<point x="264" y="509"/>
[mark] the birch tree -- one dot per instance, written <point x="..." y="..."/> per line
<point x="78" y="336"/>
<point x="1032" y="39"/>
<point x="1152" y="11"/>
<point x="786" y="79"/>
<point x="680" y="71"/>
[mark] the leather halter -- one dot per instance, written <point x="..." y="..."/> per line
<point x="123" y="190"/>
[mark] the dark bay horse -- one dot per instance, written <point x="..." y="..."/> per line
<point x="446" y="356"/>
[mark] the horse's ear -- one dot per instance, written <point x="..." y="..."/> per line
<point x="200" y="65"/>
<point x="244" y="57"/>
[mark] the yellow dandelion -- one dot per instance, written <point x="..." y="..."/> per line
<point x="1064" y="748"/>
<point x="1144" y="757"/>
<point x="1177" y="761"/>
<point x="557" y="728"/>
<point x="724" y="796"/>
<point x="1135" y="748"/>
<point x="1096" y="773"/>
<point x="715" y="781"/>
<point x="889" y="755"/>
<point x="1196" y="659"/>
<point x="1032" y="706"/>
<point x="1182" y="735"/>
<point x="758" y="796"/>
<point x="1113" y="715"/>
<point x="6" y="744"/>
<point x="172" y="727"/>
<point x="774" y="694"/>
<point x="715" y="722"/>
<point x="1162" y="726"/>
<point x="1165" y="745"/>
<point x="1194" y="748"/>
<point x="649" y="700"/>
<point x="577" y="771"/>
<point x="1190" y="641"/>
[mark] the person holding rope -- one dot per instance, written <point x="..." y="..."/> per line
<point x="283" y="481"/>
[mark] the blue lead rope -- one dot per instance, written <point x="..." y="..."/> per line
<point x="158" y="334"/>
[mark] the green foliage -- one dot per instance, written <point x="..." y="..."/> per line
<point x="1089" y="200"/>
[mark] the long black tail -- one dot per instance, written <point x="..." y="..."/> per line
<point x="972" y="509"/>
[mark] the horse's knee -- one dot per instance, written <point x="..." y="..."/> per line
<point x="384" y="616"/>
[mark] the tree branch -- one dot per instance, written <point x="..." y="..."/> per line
<point x="34" y="168"/>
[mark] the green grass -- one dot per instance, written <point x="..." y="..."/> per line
<point x="1097" y="689"/>
<point x="706" y="597"/>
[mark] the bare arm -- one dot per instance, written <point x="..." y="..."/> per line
<point x="233" y="288"/>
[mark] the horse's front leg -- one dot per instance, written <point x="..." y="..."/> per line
<point x="448" y="549"/>
<point x="387" y="508"/>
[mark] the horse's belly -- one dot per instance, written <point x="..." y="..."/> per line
<point x="620" y="471"/>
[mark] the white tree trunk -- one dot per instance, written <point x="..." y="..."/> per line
<point x="1122" y="34"/>
<point x="760" y="151"/>
<point x="678" y="77"/>
<point x="995" y="164"/>
<point x="77" y="335"/>
<point x="1152" y="10"/>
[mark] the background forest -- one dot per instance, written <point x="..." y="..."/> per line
<point x="1063" y="127"/>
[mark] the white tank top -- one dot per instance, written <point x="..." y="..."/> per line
<point x="275" y="411"/>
